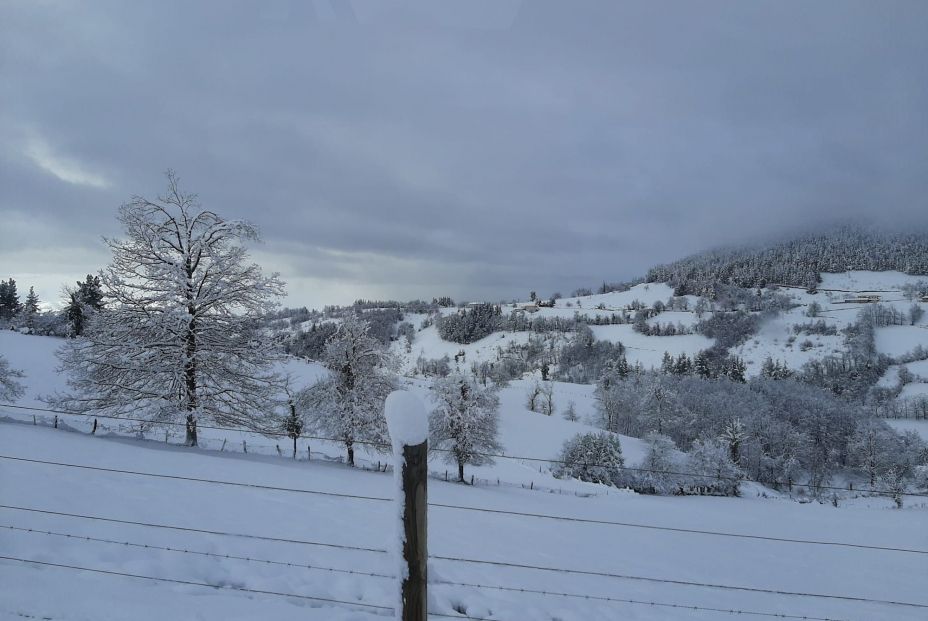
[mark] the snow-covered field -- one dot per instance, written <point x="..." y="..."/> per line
<point x="58" y="593"/>
<point x="649" y="350"/>
<point x="900" y="340"/>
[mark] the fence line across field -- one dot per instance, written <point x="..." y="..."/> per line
<point x="488" y="509"/>
<point x="360" y="605"/>
<point x="385" y="446"/>
<point x="217" y="587"/>
<point x="190" y="529"/>
<point x="233" y="557"/>
<point x="85" y="538"/>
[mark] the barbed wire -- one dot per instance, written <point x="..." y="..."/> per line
<point x="739" y="611"/>
<point x="217" y="555"/>
<point x="679" y="530"/>
<point x="726" y="587"/>
<point x="194" y="530"/>
<point x="504" y="511"/>
<point x="197" y="479"/>
<point x="387" y="447"/>
<point x="465" y="560"/>
<point x="733" y="611"/>
<point x="217" y="587"/>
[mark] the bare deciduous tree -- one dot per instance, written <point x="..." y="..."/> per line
<point x="179" y="335"/>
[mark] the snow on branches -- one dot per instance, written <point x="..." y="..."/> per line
<point x="348" y="405"/>
<point x="179" y="333"/>
<point x="465" y="420"/>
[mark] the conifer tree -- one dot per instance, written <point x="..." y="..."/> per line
<point x="31" y="308"/>
<point x="9" y="300"/>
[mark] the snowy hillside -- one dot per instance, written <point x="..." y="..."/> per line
<point x="525" y="486"/>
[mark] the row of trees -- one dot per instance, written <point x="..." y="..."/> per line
<point x="797" y="262"/>
<point x="80" y="302"/>
<point x="775" y="429"/>
<point x="707" y="469"/>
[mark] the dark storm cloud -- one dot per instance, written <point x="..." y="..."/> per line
<point x="410" y="149"/>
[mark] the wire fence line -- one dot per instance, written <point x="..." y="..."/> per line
<point x="175" y="477"/>
<point x="216" y="555"/>
<point x="489" y="510"/>
<point x="560" y="570"/>
<point x="379" y="608"/>
<point x="383" y="609"/>
<point x="189" y="529"/>
<point x="199" y="584"/>
<point x="727" y="587"/>
<point x="546" y="460"/>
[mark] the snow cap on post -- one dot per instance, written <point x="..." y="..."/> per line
<point x="407" y="420"/>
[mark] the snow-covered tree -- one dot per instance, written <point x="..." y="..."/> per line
<point x="179" y="336"/>
<point x="734" y="435"/>
<point x="9" y="299"/>
<point x="10" y="388"/>
<point x="916" y="312"/>
<point x="593" y="457"/>
<point x="533" y="397"/>
<point x="547" y="399"/>
<point x="871" y="449"/>
<point x="658" y="468"/>
<point x="465" y="420"/>
<point x="571" y="412"/>
<point x="348" y="404"/>
<point x="701" y="365"/>
<point x="892" y="484"/>
<point x="658" y="405"/>
<point x="83" y="301"/>
<point x="711" y="468"/>
<point x="30" y="308"/>
<point x="293" y="424"/>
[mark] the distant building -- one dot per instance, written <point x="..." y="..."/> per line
<point x="862" y="299"/>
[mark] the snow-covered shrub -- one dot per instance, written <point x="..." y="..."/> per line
<point x="594" y="457"/>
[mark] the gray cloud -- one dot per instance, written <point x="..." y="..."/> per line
<point x="411" y="149"/>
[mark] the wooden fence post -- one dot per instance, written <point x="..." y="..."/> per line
<point x="409" y="430"/>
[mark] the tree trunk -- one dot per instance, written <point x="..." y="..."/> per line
<point x="460" y="471"/>
<point x="294" y="447"/>
<point x="350" y="453"/>
<point x="191" y="427"/>
<point x="190" y="369"/>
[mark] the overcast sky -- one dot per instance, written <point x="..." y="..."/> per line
<point x="412" y="149"/>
